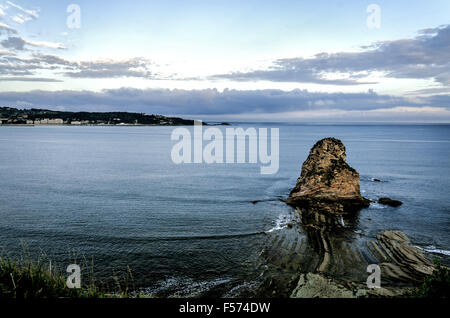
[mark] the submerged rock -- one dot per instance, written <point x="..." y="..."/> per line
<point x="390" y="202"/>
<point x="327" y="182"/>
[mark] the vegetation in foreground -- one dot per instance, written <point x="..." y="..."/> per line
<point x="27" y="279"/>
<point x="24" y="278"/>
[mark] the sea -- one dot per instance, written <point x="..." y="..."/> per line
<point x="112" y="199"/>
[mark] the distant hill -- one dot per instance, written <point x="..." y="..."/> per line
<point x="14" y="116"/>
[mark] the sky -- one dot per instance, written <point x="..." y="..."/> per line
<point x="296" y="61"/>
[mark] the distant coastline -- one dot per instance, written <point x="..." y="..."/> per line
<point x="43" y="117"/>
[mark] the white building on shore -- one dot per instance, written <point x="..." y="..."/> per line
<point x="47" y="121"/>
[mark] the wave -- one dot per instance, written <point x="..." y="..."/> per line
<point x="341" y="221"/>
<point x="184" y="287"/>
<point x="55" y="234"/>
<point x="432" y="249"/>
<point x="204" y="237"/>
<point x="375" y="205"/>
<point x="280" y="223"/>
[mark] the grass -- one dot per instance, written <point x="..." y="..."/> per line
<point x="25" y="278"/>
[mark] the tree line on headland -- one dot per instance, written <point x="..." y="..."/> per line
<point x="14" y="116"/>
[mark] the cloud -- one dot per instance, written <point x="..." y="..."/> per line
<point x="396" y="114"/>
<point x="20" y="18"/>
<point x="425" y="56"/>
<point x="213" y="102"/>
<point x="29" y="79"/>
<point x="18" y="44"/>
<point x="14" y="65"/>
<point x="31" y="13"/>
<point x="136" y="67"/>
<point x="281" y="74"/>
<point x="5" y="53"/>
<point x="24" y="15"/>
<point x="15" y="43"/>
<point x="46" y="44"/>
<point x="4" y="28"/>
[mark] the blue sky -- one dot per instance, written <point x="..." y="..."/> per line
<point x="228" y="59"/>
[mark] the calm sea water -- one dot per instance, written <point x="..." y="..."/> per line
<point x="112" y="194"/>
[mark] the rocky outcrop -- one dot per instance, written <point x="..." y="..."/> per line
<point x="327" y="182"/>
<point x="390" y="202"/>
<point x="327" y="254"/>
<point x="399" y="260"/>
<point x="319" y="286"/>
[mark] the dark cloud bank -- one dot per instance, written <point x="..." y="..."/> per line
<point x="211" y="101"/>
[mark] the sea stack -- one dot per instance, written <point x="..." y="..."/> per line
<point x="327" y="183"/>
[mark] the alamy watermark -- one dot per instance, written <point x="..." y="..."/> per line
<point x="374" y="279"/>
<point x="74" y="19"/>
<point x="374" y="19"/>
<point x="74" y="279"/>
<point x="229" y="149"/>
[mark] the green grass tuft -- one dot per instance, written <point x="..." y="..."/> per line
<point x="23" y="278"/>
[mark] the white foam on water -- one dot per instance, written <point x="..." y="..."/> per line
<point x="280" y="223"/>
<point x="434" y="250"/>
<point x="179" y="287"/>
<point x="341" y="221"/>
<point x="376" y="205"/>
<point x="235" y="291"/>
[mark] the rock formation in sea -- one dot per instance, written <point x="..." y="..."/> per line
<point x="327" y="182"/>
<point x="323" y="253"/>
<point x="390" y="202"/>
